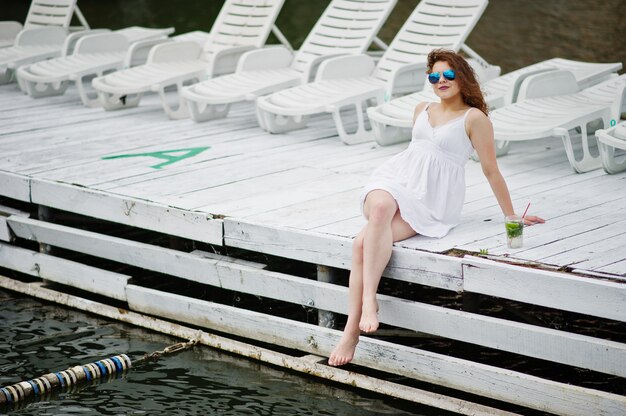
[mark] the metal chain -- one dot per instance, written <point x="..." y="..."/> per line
<point x="180" y="346"/>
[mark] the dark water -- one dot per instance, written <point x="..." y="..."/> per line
<point x="511" y="33"/>
<point x="37" y="338"/>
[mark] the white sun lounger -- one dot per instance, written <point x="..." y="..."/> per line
<point x="356" y="82"/>
<point x="610" y="140"/>
<point x="555" y="107"/>
<point x="242" y="25"/>
<point x="94" y="55"/>
<point x="42" y="13"/>
<point x="345" y="27"/>
<point x="32" y="45"/>
<point x="392" y="121"/>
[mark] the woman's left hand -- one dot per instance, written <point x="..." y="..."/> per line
<point x="533" y="219"/>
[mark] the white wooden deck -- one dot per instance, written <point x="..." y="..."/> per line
<point x="52" y="149"/>
<point x="296" y="196"/>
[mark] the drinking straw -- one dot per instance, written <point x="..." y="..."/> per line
<point x="526" y="210"/>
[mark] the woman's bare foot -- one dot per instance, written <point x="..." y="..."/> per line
<point x="343" y="352"/>
<point x="369" y="317"/>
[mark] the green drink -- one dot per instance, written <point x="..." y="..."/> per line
<point x="514" y="227"/>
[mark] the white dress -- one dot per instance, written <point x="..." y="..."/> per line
<point x="427" y="180"/>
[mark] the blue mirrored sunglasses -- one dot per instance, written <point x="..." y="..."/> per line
<point x="448" y="74"/>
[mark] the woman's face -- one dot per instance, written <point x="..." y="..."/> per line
<point x="445" y="88"/>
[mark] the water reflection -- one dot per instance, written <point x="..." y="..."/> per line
<point x="198" y="381"/>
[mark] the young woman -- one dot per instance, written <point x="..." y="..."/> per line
<point x="421" y="190"/>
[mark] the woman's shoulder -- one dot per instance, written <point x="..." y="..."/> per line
<point x="477" y="122"/>
<point x="476" y="117"/>
<point x="421" y="106"/>
<point x="418" y="109"/>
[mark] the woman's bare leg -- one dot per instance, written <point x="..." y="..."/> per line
<point x="344" y="351"/>
<point x="384" y="227"/>
<point x="400" y="230"/>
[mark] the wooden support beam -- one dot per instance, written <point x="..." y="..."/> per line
<point x="414" y="266"/>
<point x="15" y="186"/>
<point x="54" y="269"/>
<point x="565" y="291"/>
<point x="5" y="213"/>
<point x="327" y="319"/>
<point x="549" y="344"/>
<point x="455" y="373"/>
<point x="129" y="211"/>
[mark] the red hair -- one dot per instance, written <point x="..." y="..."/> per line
<point x="471" y="93"/>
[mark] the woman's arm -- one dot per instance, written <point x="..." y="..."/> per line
<point x="480" y="132"/>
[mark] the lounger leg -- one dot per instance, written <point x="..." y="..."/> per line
<point x="7" y="77"/>
<point x="588" y="162"/>
<point x="609" y="162"/>
<point x="386" y="135"/>
<point x="181" y="109"/>
<point x="37" y="89"/>
<point x="362" y="134"/>
<point x="89" y="100"/>
<point x="118" y="101"/>
<point x="21" y="84"/>
<point x="83" y="82"/>
<point x="200" y="112"/>
<point x="44" y="89"/>
<point x="277" y="123"/>
<point x="502" y="147"/>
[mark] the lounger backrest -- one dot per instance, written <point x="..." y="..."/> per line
<point x="612" y="91"/>
<point x="345" y="27"/>
<point x="433" y="24"/>
<point x="242" y="23"/>
<point x="586" y="74"/>
<point x="50" y="13"/>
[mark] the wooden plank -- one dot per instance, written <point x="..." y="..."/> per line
<point x="5" y="213"/>
<point x="267" y="155"/>
<point x="248" y="206"/>
<point x="129" y="211"/>
<point x="65" y="163"/>
<point x="525" y="174"/>
<point x="15" y="186"/>
<point x="141" y="255"/>
<point x="349" y="227"/>
<point x="70" y="273"/>
<point x="543" y="343"/>
<point x="474" y="233"/>
<point x="618" y="268"/>
<point x="258" y="184"/>
<point x="563" y="291"/>
<point x="603" y="245"/>
<point x="408" y="265"/>
<point x="225" y="259"/>
<point x="67" y="166"/>
<point x="558" y="251"/>
<point x="313" y="213"/>
<point x="565" y="226"/>
<point x="422" y="365"/>
<point x="555" y="201"/>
